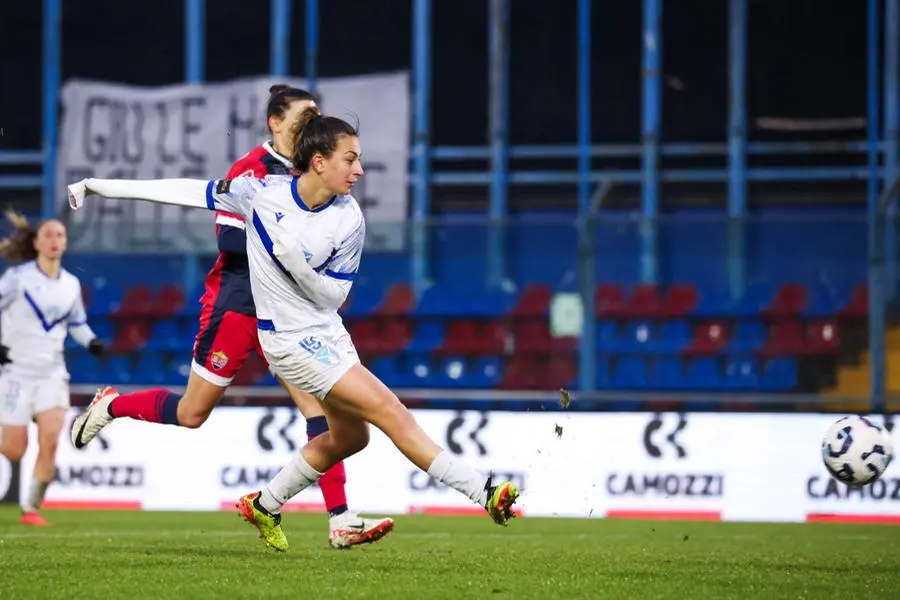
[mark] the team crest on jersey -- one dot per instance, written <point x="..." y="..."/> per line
<point x="218" y="360"/>
<point x="223" y="186"/>
<point x="321" y="351"/>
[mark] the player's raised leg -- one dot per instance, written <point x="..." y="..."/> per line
<point x="221" y="348"/>
<point x="346" y="528"/>
<point x="358" y="394"/>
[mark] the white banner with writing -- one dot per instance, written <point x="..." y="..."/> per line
<point x="745" y="467"/>
<point x="113" y="131"/>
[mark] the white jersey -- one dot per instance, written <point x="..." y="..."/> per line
<point x="36" y="312"/>
<point x="329" y="238"/>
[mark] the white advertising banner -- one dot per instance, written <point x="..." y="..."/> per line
<point x="197" y="131"/>
<point x="746" y="467"/>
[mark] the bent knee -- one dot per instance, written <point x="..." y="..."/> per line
<point x="193" y="419"/>
<point x="13" y="451"/>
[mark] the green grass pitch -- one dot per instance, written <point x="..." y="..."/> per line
<point x="215" y="555"/>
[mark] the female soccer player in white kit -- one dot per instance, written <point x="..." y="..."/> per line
<point x="304" y="244"/>
<point x="40" y="302"/>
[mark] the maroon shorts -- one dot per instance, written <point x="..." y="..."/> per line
<point x="225" y="340"/>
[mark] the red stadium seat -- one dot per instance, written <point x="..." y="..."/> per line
<point x="643" y="302"/>
<point x="399" y="300"/>
<point x="789" y="301"/>
<point x="680" y="299"/>
<point x="608" y="301"/>
<point x="534" y="301"/>
<point x="785" y="338"/>
<point x="709" y="338"/>
<point x="823" y="337"/>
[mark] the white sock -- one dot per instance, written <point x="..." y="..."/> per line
<point x="292" y="479"/>
<point x="460" y="476"/>
<point x="36" y="495"/>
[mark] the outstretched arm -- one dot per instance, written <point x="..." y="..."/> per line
<point x="232" y="195"/>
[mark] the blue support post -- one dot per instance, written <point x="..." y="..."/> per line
<point x="873" y="107"/>
<point x="876" y="235"/>
<point x="588" y="350"/>
<point x="280" y="38"/>
<point x="737" y="145"/>
<point x="52" y="44"/>
<point x="194" y="41"/>
<point x="421" y="178"/>
<point x="312" y="45"/>
<point x="194" y="72"/>
<point x="498" y="114"/>
<point x="891" y="132"/>
<point x="651" y="120"/>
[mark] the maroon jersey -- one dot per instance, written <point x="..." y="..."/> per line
<point x="228" y="283"/>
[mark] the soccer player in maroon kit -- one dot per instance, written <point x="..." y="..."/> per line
<point x="228" y="333"/>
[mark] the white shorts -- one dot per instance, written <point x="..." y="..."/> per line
<point x="311" y="362"/>
<point x="21" y="398"/>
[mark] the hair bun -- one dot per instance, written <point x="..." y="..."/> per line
<point x="278" y="88"/>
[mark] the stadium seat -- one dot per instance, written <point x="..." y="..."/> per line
<point x="495" y="339"/>
<point x="713" y="302"/>
<point x="560" y="371"/>
<point x="790" y="301"/>
<point x="398" y="301"/>
<point x="630" y="373"/>
<point x="747" y="336"/>
<point x="396" y="334"/>
<point x="756" y="298"/>
<point x="534" y="301"/>
<point x="169" y="301"/>
<point x="741" y="374"/>
<point x="785" y="337"/>
<point x="165" y="335"/>
<point x="427" y="337"/>
<point x="521" y="373"/>
<point x="822" y="337"/>
<point x="463" y="337"/>
<point x="485" y="372"/>
<point x="703" y="374"/>
<point x="138" y="301"/>
<point x="679" y="301"/>
<point x="366" y="336"/>
<point x="857" y="307"/>
<point x="386" y="369"/>
<point x="362" y="301"/>
<point x="779" y="374"/>
<point x="532" y="335"/>
<point x="608" y="302"/>
<point x="709" y="338"/>
<point x="666" y="374"/>
<point x="644" y="302"/>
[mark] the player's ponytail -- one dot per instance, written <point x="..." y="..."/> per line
<point x="18" y="246"/>
<point x="317" y="134"/>
<point x="280" y="97"/>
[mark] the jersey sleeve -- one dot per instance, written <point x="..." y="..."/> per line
<point x="9" y="286"/>
<point x="77" y="322"/>
<point x="330" y="288"/>
<point x="233" y="195"/>
<point x="345" y="262"/>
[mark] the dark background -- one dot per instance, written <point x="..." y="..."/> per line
<point x="807" y="58"/>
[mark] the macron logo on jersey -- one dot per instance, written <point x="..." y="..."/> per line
<point x="279" y="216"/>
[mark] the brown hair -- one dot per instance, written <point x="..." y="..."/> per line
<point x="18" y="246"/>
<point x="281" y="96"/>
<point x="314" y="133"/>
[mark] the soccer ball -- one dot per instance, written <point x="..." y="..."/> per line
<point x="856" y="451"/>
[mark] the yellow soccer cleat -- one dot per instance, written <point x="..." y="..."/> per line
<point x="500" y="502"/>
<point x="268" y="525"/>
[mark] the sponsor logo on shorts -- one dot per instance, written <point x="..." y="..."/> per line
<point x="321" y="351"/>
<point x="218" y="360"/>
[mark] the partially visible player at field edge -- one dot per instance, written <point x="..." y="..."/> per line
<point x="40" y="302"/>
<point x="304" y="251"/>
<point x="228" y="334"/>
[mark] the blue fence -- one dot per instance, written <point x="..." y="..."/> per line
<point x="880" y="148"/>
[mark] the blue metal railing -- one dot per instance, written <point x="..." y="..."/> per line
<point x="883" y="156"/>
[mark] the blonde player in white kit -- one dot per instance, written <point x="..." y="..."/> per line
<point x="304" y="242"/>
<point x="40" y="302"/>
